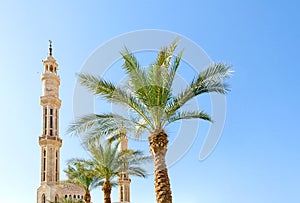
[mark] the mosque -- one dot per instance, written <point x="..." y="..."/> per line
<point x="50" y="143"/>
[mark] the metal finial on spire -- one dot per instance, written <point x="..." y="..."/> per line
<point x="50" y="48"/>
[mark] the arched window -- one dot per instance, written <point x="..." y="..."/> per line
<point x="56" y="198"/>
<point x="45" y="120"/>
<point x="122" y="194"/>
<point x="56" y="123"/>
<point x="51" y="122"/>
<point x="51" y="68"/>
<point x="56" y="165"/>
<point x="44" y="166"/>
<point x="43" y="198"/>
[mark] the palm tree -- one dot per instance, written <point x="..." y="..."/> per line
<point x="150" y="96"/>
<point x="107" y="163"/>
<point x="79" y="173"/>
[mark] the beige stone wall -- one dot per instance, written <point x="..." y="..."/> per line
<point x="71" y="191"/>
<point x="60" y="191"/>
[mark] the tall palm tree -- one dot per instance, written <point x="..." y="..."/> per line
<point x="107" y="163"/>
<point x="150" y="96"/>
<point x="79" y="173"/>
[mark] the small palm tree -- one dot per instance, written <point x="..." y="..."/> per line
<point x="107" y="163"/>
<point x="150" y="96"/>
<point x="79" y="173"/>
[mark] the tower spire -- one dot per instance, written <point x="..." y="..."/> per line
<point x="50" y="47"/>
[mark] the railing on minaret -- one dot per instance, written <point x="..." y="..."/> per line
<point x="124" y="180"/>
<point x="49" y="141"/>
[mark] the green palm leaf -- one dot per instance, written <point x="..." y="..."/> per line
<point x="188" y="115"/>
<point x="209" y="80"/>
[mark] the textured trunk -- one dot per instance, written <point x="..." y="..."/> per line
<point x="106" y="188"/>
<point x="87" y="197"/>
<point x="158" y="142"/>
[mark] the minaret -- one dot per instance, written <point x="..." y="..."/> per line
<point x="49" y="141"/>
<point x="124" y="180"/>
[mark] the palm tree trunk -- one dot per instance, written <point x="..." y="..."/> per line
<point x="158" y="141"/>
<point x="106" y="188"/>
<point x="87" y="196"/>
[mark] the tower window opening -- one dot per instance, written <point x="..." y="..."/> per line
<point x="51" y="68"/>
<point x="44" y="161"/>
<point x="56" y="119"/>
<point x="45" y="120"/>
<point x="56" y="198"/>
<point x="56" y="166"/>
<point x="74" y="196"/>
<point x="44" y="166"/>
<point x="51" y="122"/>
<point x="43" y="198"/>
<point x="44" y="176"/>
<point x="121" y="194"/>
<point x="47" y="68"/>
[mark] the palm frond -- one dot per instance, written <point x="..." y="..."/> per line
<point x="99" y="124"/>
<point x="189" y="115"/>
<point x="209" y="80"/>
<point x="113" y="93"/>
<point x="97" y="85"/>
<point x="137" y="171"/>
<point x="165" y="54"/>
<point x="136" y="74"/>
<point x="173" y="69"/>
<point x="128" y="99"/>
<point x="160" y="75"/>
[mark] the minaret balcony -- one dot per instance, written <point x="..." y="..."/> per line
<point x="47" y="139"/>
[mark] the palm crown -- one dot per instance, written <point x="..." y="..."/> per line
<point x="149" y="94"/>
<point x="81" y="174"/>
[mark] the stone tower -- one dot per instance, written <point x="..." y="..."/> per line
<point x="124" y="180"/>
<point x="49" y="141"/>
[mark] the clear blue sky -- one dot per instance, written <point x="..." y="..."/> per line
<point x="257" y="158"/>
